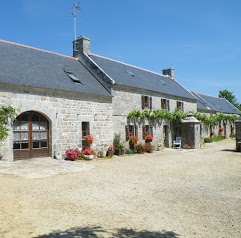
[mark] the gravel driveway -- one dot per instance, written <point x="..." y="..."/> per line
<point x="173" y="193"/>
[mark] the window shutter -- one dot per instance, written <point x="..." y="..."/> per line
<point x="142" y="102"/>
<point x="168" y="105"/>
<point x="143" y="132"/>
<point x="88" y="128"/>
<point x="136" y="130"/>
<point x="131" y="130"/>
<point x="127" y="132"/>
<point x="151" y="130"/>
<point x="162" y="106"/>
<point x="150" y="102"/>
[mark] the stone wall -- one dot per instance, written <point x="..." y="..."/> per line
<point x="65" y="112"/>
<point x="126" y="99"/>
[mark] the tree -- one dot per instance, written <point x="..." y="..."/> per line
<point x="229" y="96"/>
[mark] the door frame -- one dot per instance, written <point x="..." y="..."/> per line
<point x="32" y="152"/>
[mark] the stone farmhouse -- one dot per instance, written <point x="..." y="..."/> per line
<point x="61" y="99"/>
<point x="136" y="88"/>
<point x="213" y="105"/>
<point x="58" y="99"/>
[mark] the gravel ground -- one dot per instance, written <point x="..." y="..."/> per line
<point x="172" y="193"/>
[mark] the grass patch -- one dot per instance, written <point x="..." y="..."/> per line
<point x="217" y="138"/>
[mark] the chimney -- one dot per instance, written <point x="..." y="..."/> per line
<point x="81" y="46"/>
<point x="169" y="72"/>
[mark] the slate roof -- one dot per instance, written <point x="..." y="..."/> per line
<point x="128" y="75"/>
<point x="28" y="66"/>
<point x="205" y="102"/>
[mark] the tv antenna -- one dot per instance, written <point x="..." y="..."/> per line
<point x="76" y="7"/>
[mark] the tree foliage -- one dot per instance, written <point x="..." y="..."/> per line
<point x="229" y="96"/>
<point x="6" y="113"/>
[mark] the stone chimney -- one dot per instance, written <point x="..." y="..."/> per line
<point x="81" y="46"/>
<point x="169" y="72"/>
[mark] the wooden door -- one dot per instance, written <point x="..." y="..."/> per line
<point x="30" y="136"/>
<point x="165" y="136"/>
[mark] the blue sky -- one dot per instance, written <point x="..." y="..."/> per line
<point x="200" y="39"/>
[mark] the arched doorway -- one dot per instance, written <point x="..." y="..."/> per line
<point x="30" y="136"/>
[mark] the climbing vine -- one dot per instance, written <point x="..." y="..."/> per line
<point x="157" y="114"/>
<point x="178" y="115"/>
<point x="214" y="119"/>
<point x="6" y="113"/>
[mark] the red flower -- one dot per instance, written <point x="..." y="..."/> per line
<point x="221" y="129"/>
<point x="72" y="154"/>
<point x="133" y="139"/>
<point x="89" y="139"/>
<point x="149" y="137"/>
<point x="87" y="152"/>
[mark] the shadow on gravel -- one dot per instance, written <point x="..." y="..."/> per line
<point x="230" y="150"/>
<point x="98" y="232"/>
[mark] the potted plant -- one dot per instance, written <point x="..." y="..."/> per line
<point x="148" y="138"/>
<point x="88" y="154"/>
<point x="119" y="147"/>
<point x="88" y="140"/>
<point x="221" y="129"/>
<point x="111" y="150"/>
<point x="139" y="148"/>
<point x="132" y="141"/>
<point x="72" y="154"/>
<point x="159" y="146"/>
<point x="148" y="148"/>
<point x="103" y="151"/>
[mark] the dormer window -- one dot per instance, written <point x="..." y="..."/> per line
<point x="73" y="77"/>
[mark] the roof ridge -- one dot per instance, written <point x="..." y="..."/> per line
<point x="209" y="95"/>
<point x="204" y="100"/>
<point x="117" y="61"/>
<point x="38" y="49"/>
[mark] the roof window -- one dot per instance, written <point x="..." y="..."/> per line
<point x="73" y="77"/>
<point x="163" y="82"/>
<point x="217" y="105"/>
<point x="130" y="73"/>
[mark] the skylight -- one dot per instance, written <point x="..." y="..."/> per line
<point x="163" y="82"/>
<point x="73" y="77"/>
<point x="217" y="106"/>
<point x="130" y="73"/>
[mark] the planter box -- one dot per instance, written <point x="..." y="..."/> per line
<point x="119" y="152"/>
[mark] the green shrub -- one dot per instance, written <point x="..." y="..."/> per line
<point x="208" y="140"/>
<point x="217" y="138"/>
<point x="129" y="152"/>
<point x="117" y="142"/>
